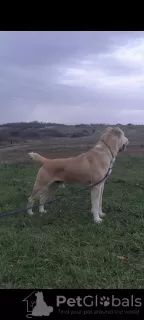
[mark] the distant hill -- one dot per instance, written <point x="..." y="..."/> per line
<point x="35" y="130"/>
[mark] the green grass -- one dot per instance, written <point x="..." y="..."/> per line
<point x="65" y="249"/>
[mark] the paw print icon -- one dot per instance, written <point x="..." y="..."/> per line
<point x="105" y="301"/>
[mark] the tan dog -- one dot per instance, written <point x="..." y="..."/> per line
<point x="87" y="168"/>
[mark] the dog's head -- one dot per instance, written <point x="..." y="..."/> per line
<point x="123" y="140"/>
<point x="115" y="133"/>
<point x="125" y="143"/>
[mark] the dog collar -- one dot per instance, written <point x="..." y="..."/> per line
<point x="108" y="147"/>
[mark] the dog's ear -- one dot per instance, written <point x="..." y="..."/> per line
<point x="117" y="131"/>
<point x="108" y="129"/>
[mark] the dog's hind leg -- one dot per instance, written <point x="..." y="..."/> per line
<point x="42" y="193"/>
<point x="49" y="193"/>
<point x="30" y="205"/>
<point x="36" y="194"/>
<point x="39" y="190"/>
<point x="43" y="199"/>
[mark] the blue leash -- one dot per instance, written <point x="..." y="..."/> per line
<point x="57" y="199"/>
<point x="24" y="209"/>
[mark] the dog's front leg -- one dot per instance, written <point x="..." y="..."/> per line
<point x="101" y="214"/>
<point x="95" y="202"/>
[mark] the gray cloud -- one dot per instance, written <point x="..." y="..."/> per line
<point x="71" y="77"/>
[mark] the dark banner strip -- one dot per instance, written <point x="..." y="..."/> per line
<point x="37" y="303"/>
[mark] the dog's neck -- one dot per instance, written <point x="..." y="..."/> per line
<point x="113" y="156"/>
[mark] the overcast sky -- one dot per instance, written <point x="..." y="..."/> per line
<point x="72" y="77"/>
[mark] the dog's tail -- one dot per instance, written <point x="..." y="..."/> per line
<point x="37" y="157"/>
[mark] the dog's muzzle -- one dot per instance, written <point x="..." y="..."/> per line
<point x="124" y="146"/>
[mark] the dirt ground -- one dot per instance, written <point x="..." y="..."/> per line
<point x="55" y="148"/>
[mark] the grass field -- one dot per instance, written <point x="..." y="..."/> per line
<point x="65" y="249"/>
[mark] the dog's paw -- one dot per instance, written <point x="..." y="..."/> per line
<point x="62" y="186"/>
<point x="43" y="212"/>
<point x="30" y="213"/>
<point x="98" y="220"/>
<point x="102" y="214"/>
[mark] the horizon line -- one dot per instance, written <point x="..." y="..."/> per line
<point x="76" y="124"/>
